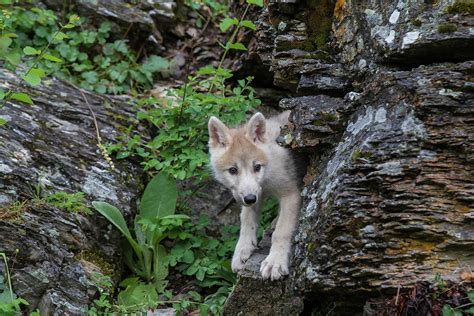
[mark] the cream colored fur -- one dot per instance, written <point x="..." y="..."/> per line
<point x="243" y="148"/>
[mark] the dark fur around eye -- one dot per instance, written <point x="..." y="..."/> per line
<point x="257" y="167"/>
<point x="233" y="170"/>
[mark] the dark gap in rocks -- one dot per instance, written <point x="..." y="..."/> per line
<point x="449" y="50"/>
<point x="333" y="305"/>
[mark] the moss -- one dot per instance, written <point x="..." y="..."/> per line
<point x="319" y="23"/>
<point x="461" y="7"/>
<point x="416" y="22"/>
<point x="356" y="154"/>
<point x="325" y="118"/>
<point x="447" y="28"/>
<point x="98" y="260"/>
<point x="311" y="246"/>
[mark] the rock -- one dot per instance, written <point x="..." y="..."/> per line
<point x="138" y="22"/>
<point x="268" y="297"/>
<point x="292" y="43"/>
<point x="51" y="145"/>
<point x="390" y="203"/>
<point x="403" y="33"/>
<point x="388" y="198"/>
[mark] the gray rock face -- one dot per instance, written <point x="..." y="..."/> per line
<point x="52" y="144"/>
<point x="140" y="20"/>
<point x="388" y="199"/>
<point x="398" y="31"/>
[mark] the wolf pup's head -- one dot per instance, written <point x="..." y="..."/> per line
<point x="238" y="157"/>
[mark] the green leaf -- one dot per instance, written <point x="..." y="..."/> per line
<point x="5" y="42"/>
<point x="32" y="79"/>
<point x="28" y="50"/>
<point x="22" y="97"/>
<point x="256" y="2"/>
<point x="200" y="274"/>
<point x="3" y="121"/>
<point x="207" y="70"/>
<point x="59" y="36"/>
<point x="116" y="218"/>
<point x="470" y="294"/>
<point x="227" y="23"/>
<point x="2" y="94"/>
<point x="248" y="24"/>
<point x="237" y="46"/>
<point x="73" y="18"/>
<point x="447" y="311"/>
<point x="90" y="76"/>
<point x="155" y="64"/>
<point x="204" y="310"/>
<point x="52" y="58"/>
<point x="188" y="256"/>
<point x="159" y="198"/>
<point x="10" y="35"/>
<point x="37" y="72"/>
<point x="160" y="269"/>
<point x="138" y="294"/>
<point x="13" y="58"/>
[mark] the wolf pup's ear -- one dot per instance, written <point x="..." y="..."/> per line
<point x="257" y="127"/>
<point x="218" y="133"/>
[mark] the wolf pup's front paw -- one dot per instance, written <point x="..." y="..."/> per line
<point x="241" y="254"/>
<point x="275" y="266"/>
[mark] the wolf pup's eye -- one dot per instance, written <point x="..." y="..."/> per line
<point x="233" y="170"/>
<point x="257" y="167"/>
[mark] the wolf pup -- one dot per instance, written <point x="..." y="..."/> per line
<point x="249" y="162"/>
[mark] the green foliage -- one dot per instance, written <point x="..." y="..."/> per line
<point x="181" y="149"/>
<point x="12" y="53"/>
<point x="89" y="57"/>
<point x="102" y="305"/>
<point x="70" y="202"/>
<point x="190" y="252"/>
<point x="146" y="257"/>
<point x="213" y="8"/>
<point x="269" y="213"/>
<point x="447" y="28"/>
<point x="461" y="6"/>
<point x="10" y="304"/>
<point x="467" y="308"/>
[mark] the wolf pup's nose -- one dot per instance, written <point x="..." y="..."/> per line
<point x="250" y="199"/>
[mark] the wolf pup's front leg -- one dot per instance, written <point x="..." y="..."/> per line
<point x="276" y="265"/>
<point x="248" y="237"/>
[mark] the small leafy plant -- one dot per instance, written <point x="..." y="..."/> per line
<point x="145" y="256"/>
<point x="12" y="52"/>
<point x="181" y="149"/>
<point x="71" y="202"/>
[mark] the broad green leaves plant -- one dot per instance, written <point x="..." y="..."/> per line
<point x="145" y="256"/>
